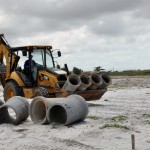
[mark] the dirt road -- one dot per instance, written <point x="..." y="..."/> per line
<point x="122" y="111"/>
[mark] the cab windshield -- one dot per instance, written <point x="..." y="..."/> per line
<point x="43" y="57"/>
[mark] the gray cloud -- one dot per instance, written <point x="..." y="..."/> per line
<point x="108" y="25"/>
<point x="111" y="33"/>
<point x="49" y="15"/>
<point x="67" y="8"/>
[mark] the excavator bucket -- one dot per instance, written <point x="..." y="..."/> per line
<point x="90" y="95"/>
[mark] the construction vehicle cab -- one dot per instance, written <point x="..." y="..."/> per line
<point x="29" y="81"/>
<point x="30" y="60"/>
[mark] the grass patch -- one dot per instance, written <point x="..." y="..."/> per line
<point x="130" y="73"/>
<point x="114" y="126"/>
<point x="119" y="118"/>
<point x="146" y="115"/>
<point x="148" y="122"/>
<point x="93" y="117"/>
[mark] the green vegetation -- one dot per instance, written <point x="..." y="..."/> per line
<point x="114" y="126"/>
<point x="146" y="115"/>
<point x="148" y="122"/>
<point x="130" y="73"/>
<point x="119" y="118"/>
<point x="77" y="71"/>
<point x="98" y="69"/>
<point x="93" y="117"/>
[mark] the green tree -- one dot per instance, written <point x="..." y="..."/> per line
<point x="77" y="71"/>
<point x="98" y="69"/>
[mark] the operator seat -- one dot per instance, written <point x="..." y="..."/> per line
<point x="30" y="73"/>
<point x="26" y="71"/>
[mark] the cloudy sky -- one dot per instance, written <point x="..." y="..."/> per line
<point x="114" y="34"/>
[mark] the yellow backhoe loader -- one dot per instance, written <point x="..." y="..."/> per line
<point x="19" y="77"/>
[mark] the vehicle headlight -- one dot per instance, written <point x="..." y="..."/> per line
<point x="45" y="77"/>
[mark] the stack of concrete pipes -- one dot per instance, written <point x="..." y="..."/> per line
<point x="85" y="82"/>
<point x="60" y="110"/>
<point x="44" y="110"/>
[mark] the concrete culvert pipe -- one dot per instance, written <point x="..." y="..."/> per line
<point x="72" y="83"/>
<point x="106" y="81"/>
<point x="96" y="81"/>
<point x="14" y="111"/>
<point x="39" y="107"/>
<point x="72" y="109"/>
<point x="85" y="82"/>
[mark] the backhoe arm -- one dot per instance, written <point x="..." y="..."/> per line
<point x="5" y="53"/>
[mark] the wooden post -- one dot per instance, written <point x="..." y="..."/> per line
<point x="133" y="141"/>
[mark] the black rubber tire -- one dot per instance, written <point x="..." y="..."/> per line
<point x="41" y="91"/>
<point x="12" y="89"/>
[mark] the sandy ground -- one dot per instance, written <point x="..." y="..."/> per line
<point x="127" y="96"/>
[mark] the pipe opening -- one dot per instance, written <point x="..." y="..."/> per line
<point x="85" y="79"/>
<point x="12" y="113"/>
<point x="95" y="78"/>
<point x="74" y="80"/>
<point x="39" y="111"/>
<point x="106" y="78"/>
<point x="58" y="114"/>
<point x="5" y="116"/>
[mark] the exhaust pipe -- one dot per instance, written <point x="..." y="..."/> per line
<point x="85" y="82"/>
<point x="14" y="111"/>
<point x="39" y="107"/>
<point x="72" y="83"/>
<point x="74" y="108"/>
<point x="96" y="81"/>
<point x="106" y="81"/>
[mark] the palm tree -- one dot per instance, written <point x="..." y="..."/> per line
<point x="98" y="69"/>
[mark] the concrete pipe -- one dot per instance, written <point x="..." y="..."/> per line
<point x="39" y="107"/>
<point x="72" y="83"/>
<point x="106" y="81"/>
<point x="14" y="111"/>
<point x="74" y="108"/>
<point x="96" y="81"/>
<point x="85" y="82"/>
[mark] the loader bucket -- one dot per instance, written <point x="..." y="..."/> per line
<point x="90" y="95"/>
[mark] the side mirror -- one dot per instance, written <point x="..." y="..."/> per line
<point x="59" y="53"/>
<point x="24" y="53"/>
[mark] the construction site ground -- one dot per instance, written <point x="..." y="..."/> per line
<point x="123" y="110"/>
